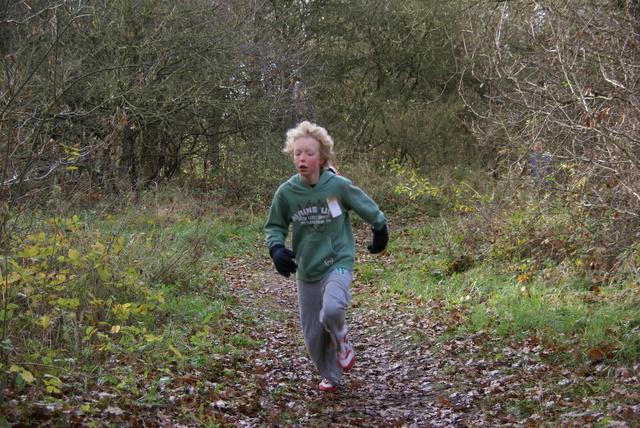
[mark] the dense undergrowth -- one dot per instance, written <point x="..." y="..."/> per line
<point x="142" y="280"/>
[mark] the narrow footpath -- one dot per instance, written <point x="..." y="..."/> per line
<point x="411" y="369"/>
<point x="390" y="385"/>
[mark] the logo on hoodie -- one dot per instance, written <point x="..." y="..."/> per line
<point x="315" y="215"/>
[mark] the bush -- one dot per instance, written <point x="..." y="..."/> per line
<point x="79" y="289"/>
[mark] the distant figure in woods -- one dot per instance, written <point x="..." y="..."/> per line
<point x="541" y="163"/>
<point x="317" y="201"/>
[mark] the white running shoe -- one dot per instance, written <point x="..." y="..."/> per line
<point x="325" y="385"/>
<point x="346" y="357"/>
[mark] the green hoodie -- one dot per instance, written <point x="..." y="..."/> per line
<point x="322" y="237"/>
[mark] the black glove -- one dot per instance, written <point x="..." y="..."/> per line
<point x="283" y="260"/>
<point x="380" y="239"/>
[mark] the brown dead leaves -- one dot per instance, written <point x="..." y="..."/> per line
<point x="414" y="368"/>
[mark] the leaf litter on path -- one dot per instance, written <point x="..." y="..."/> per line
<point x="411" y="371"/>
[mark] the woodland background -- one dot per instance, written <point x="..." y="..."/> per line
<point x="513" y="121"/>
<point x="110" y="97"/>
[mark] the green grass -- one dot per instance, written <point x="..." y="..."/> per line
<point x="569" y="312"/>
<point x="148" y="278"/>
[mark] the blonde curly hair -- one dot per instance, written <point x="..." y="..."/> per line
<point x="318" y="133"/>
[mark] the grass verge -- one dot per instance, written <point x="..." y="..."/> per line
<point x="568" y="313"/>
<point x="116" y="304"/>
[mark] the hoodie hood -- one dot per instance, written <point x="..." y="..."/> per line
<point x="298" y="185"/>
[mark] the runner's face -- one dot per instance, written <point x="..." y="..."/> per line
<point x="306" y="157"/>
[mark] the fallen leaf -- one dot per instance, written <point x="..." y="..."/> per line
<point x="596" y="355"/>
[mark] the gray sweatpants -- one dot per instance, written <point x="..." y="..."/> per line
<point x="322" y="314"/>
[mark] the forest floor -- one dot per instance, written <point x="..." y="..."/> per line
<point x="414" y="368"/>
<point x="410" y="372"/>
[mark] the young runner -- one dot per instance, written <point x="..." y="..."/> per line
<point x="322" y="256"/>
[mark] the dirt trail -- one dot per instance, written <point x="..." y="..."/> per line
<point x="407" y="376"/>
<point x="390" y="384"/>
